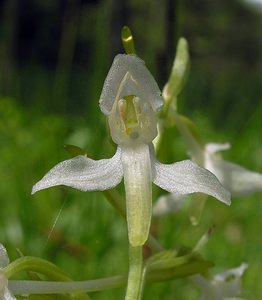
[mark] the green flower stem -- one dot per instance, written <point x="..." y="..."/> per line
<point x="174" y="85"/>
<point x="191" y="137"/>
<point x="196" y="148"/>
<point x="116" y="200"/>
<point x="118" y="203"/>
<point x="162" y="267"/>
<point x="41" y="266"/>
<point x="19" y="287"/>
<point x="177" y="78"/>
<point x="196" y="207"/>
<point x="179" y="72"/>
<point x="38" y="265"/>
<point x="134" y="283"/>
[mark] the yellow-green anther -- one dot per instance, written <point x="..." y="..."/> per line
<point x="179" y="72"/>
<point x="128" y="116"/>
<point x="131" y="117"/>
<point x="128" y="40"/>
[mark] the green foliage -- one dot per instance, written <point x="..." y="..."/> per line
<point x="80" y="232"/>
<point x="90" y="231"/>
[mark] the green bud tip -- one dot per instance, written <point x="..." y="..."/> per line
<point x="127" y="40"/>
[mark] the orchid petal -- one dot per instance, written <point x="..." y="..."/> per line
<point x="84" y="174"/>
<point x="4" y="260"/>
<point x="226" y="285"/>
<point x="238" y="180"/>
<point x="185" y="177"/>
<point x="128" y="75"/>
<point x="213" y="148"/>
<point x="236" y="273"/>
<point x="8" y="295"/>
<point x="167" y="204"/>
<point x="138" y="187"/>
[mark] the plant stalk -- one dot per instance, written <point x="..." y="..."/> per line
<point x="134" y="283"/>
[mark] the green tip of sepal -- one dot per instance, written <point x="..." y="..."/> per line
<point x="128" y="40"/>
<point x="179" y="72"/>
<point x="191" y="127"/>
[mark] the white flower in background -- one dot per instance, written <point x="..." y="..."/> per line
<point x="238" y="180"/>
<point x="223" y="286"/>
<point x="169" y="203"/>
<point x="255" y="4"/>
<point x="130" y="99"/>
<point x="4" y="261"/>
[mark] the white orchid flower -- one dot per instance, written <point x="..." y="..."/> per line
<point x="4" y="261"/>
<point x="169" y="203"/>
<point x="130" y="99"/>
<point x="238" y="180"/>
<point x="223" y="286"/>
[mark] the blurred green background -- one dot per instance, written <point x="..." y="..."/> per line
<point x="54" y="56"/>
